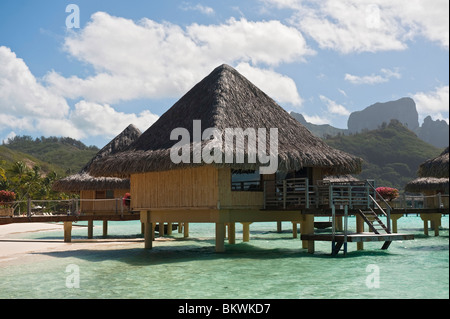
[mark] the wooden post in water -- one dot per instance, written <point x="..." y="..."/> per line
<point x="220" y="237"/>
<point x="105" y="228"/>
<point x="67" y="232"/>
<point x="307" y="228"/>
<point x="148" y="230"/>
<point x="359" y="229"/>
<point x="186" y="230"/>
<point x="246" y="232"/>
<point x="232" y="233"/>
<point x="90" y="229"/>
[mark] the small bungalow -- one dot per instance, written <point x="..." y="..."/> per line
<point x="101" y="195"/>
<point x="226" y="153"/>
<point x="433" y="183"/>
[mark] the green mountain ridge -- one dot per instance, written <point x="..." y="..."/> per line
<point x="391" y="154"/>
<point x="60" y="154"/>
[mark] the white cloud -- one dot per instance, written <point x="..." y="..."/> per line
<point x="198" y="7"/>
<point x="333" y="107"/>
<point x="21" y="94"/>
<point x="385" y="76"/>
<point x="369" y="25"/>
<point x="11" y="135"/>
<point x="435" y="103"/>
<point x="316" y="119"/>
<point x="153" y="60"/>
<point x="277" y="86"/>
<point x="28" y="106"/>
<point x="102" y="120"/>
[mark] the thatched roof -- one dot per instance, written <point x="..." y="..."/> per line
<point x="433" y="175"/>
<point x="428" y="183"/>
<point x="340" y="178"/>
<point x="84" y="181"/>
<point x="436" y="167"/>
<point x="226" y="99"/>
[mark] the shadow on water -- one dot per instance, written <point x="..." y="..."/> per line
<point x="200" y="249"/>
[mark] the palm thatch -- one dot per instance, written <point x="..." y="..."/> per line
<point x="436" y="167"/>
<point x="226" y="99"/>
<point x="340" y="178"/>
<point x="433" y="175"/>
<point x="422" y="184"/>
<point x="84" y="181"/>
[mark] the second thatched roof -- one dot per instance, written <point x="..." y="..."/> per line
<point x="433" y="175"/>
<point x="436" y="167"/>
<point x="84" y="181"/>
<point x="226" y="99"/>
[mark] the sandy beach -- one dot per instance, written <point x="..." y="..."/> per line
<point x="13" y="247"/>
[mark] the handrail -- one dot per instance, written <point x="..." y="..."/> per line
<point x="373" y="187"/>
<point x="378" y="205"/>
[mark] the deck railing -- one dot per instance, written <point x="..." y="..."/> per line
<point x="298" y="193"/>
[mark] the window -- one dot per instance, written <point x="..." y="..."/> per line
<point x="104" y="194"/>
<point x="245" y="181"/>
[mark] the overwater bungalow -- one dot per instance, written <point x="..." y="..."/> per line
<point x="181" y="170"/>
<point x="433" y="183"/>
<point x="101" y="195"/>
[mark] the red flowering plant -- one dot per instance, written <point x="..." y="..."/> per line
<point x="6" y="198"/>
<point x="388" y="193"/>
<point x="126" y="200"/>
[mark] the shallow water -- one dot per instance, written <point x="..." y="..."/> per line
<point x="271" y="265"/>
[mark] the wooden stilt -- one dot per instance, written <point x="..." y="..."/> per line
<point x="359" y="229"/>
<point x="232" y="233"/>
<point x="307" y="227"/>
<point x="105" y="228"/>
<point x="169" y="229"/>
<point x="67" y="232"/>
<point x="90" y="229"/>
<point x="186" y="230"/>
<point x="180" y="227"/>
<point x="279" y="227"/>
<point x="245" y="232"/>
<point x="294" y="230"/>
<point x="148" y="235"/>
<point x="161" y="229"/>
<point x="220" y="237"/>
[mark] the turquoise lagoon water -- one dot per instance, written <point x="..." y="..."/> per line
<point x="271" y="265"/>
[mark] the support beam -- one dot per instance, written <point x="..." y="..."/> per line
<point x="67" y="232"/>
<point x="307" y="227"/>
<point x="245" y="232"/>
<point x="220" y="237"/>
<point x="105" y="228"/>
<point x="161" y="229"/>
<point x="359" y="229"/>
<point x="169" y="229"/>
<point x="186" y="230"/>
<point x="90" y="229"/>
<point x="148" y="235"/>
<point x="232" y="233"/>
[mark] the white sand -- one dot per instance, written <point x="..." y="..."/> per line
<point x="13" y="247"/>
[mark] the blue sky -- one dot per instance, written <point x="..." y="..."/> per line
<point x="129" y="61"/>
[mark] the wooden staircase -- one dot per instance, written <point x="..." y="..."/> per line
<point x="373" y="221"/>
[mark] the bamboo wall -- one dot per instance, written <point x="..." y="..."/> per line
<point x="191" y="187"/>
<point x="200" y="187"/>
<point x="101" y="206"/>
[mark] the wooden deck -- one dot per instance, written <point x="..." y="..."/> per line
<point x="67" y="218"/>
<point x="357" y="237"/>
